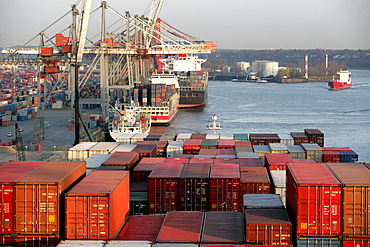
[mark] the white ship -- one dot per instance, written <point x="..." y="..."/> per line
<point x="127" y="119"/>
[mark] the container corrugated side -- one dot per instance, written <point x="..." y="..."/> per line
<point x="80" y="151"/>
<point x="254" y="180"/>
<point x="127" y="159"/>
<point x="223" y="227"/>
<point x="38" y="197"/>
<point x="268" y="226"/>
<point x="319" y="241"/>
<point x="279" y="184"/>
<point x="193" y="187"/>
<point x="314" y="198"/>
<point x="162" y="187"/>
<point x="10" y="173"/>
<point x="356" y="242"/>
<point x="35" y="240"/>
<point x="103" y="148"/>
<point x="97" y="207"/>
<point x="225" y="187"/>
<point x="355" y="179"/>
<point x="141" y="228"/>
<point x="181" y="227"/>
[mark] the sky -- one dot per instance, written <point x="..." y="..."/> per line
<point x="230" y="24"/>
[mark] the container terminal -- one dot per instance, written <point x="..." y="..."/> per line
<point x="155" y="189"/>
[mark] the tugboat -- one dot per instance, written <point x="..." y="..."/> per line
<point x="213" y="125"/>
<point x="344" y="81"/>
<point x="127" y="119"/>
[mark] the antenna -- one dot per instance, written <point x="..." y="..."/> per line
<point x="213" y="125"/>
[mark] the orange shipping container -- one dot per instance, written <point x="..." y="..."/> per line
<point x="38" y="197"/>
<point x="97" y="207"/>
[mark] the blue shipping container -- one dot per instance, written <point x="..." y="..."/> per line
<point x="318" y="242"/>
<point x="348" y="156"/>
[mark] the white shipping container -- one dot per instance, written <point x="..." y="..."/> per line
<point x="313" y="151"/>
<point x="138" y="137"/>
<point x="175" y="147"/>
<point x="103" y="148"/>
<point x="94" y="161"/>
<point x="296" y="152"/>
<point x="80" y="151"/>
<point x="125" y="138"/>
<point x="278" y="148"/>
<point x="287" y="139"/>
<point x="123" y="148"/>
<point x="279" y="183"/>
<point x="226" y="136"/>
<point x="183" y="136"/>
<point x="213" y="136"/>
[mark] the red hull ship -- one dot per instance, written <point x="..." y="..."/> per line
<point x="343" y="82"/>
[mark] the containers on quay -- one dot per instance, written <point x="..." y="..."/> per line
<point x="277" y="161"/>
<point x="355" y="180"/>
<point x="223" y="227"/>
<point x="181" y="227"/>
<point x="225" y="187"/>
<point x="38" y="201"/>
<point x="125" y="159"/>
<point x="97" y="206"/>
<point x="193" y="187"/>
<point x="314" y="199"/>
<point x="141" y="228"/>
<point x="262" y="201"/>
<point x="10" y="173"/>
<point x="162" y="187"/>
<point x="267" y="226"/>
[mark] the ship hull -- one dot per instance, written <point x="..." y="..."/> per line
<point x="192" y="99"/>
<point x="193" y="89"/>
<point x="336" y="85"/>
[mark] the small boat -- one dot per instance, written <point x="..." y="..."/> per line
<point x="127" y="119"/>
<point x="344" y="81"/>
<point x="213" y="125"/>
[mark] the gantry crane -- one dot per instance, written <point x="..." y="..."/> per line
<point x="125" y="53"/>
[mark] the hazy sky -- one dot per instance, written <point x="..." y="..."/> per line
<point x="230" y="24"/>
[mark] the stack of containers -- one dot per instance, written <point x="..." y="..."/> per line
<point x="143" y="169"/>
<point x="286" y="139"/>
<point x="314" y="200"/>
<point x="315" y="136"/>
<point x="261" y="150"/>
<point x="277" y="161"/>
<point x="299" y="138"/>
<point x="243" y="147"/>
<point x="254" y="180"/>
<point x="296" y="152"/>
<point x="181" y="227"/>
<point x="347" y="155"/>
<point x="355" y="183"/>
<point x="198" y="136"/>
<point x="209" y="144"/>
<point x="226" y="144"/>
<point x="103" y="148"/>
<point x="149" y="150"/>
<point x="193" y="187"/>
<point x="168" y="137"/>
<point x="225" y="187"/>
<point x="39" y="200"/>
<point x="313" y="151"/>
<point x="97" y="207"/>
<point x="161" y="146"/>
<point x="80" y="151"/>
<point x="223" y="228"/>
<point x="128" y="160"/>
<point x="241" y="137"/>
<point x="263" y="139"/>
<point x="192" y="146"/>
<point x="9" y="174"/>
<point x="163" y="186"/>
<point x="174" y="148"/>
<point x="330" y="155"/>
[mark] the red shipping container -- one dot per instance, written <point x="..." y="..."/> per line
<point x="314" y="198"/>
<point x="38" y="200"/>
<point x="225" y="161"/>
<point x="181" y="227"/>
<point x="33" y="241"/>
<point x="277" y="161"/>
<point x="141" y="172"/>
<point x="198" y="136"/>
<point x="161" y="146"/>
<point x="331" y="156"/>
<point x="315" y="136"/>
<point x="192" y="146"/>
<point x="299" y="137"/>
<point x="6" y="240"/>
<point x="225" y="187"/>
<point x="243" y="144"/>
<point x="146" y="150"/>
<point x="356" y="242"/>
<point x="254" y="180"/>
<point x="127" y="159"/>
<point x="141" y="228"/>
<point x="10" y="173"/>
<point x="367" y="165"/>
<point x="250" y="162"/>
<point x="162" y="187"/>
<point x="193" y="187"/>
<point x="207" y="151"/>
<point x="226" y="144"/>
<point x="201" y="160"/>
<point x="225" y="151"/>
<point x="177" y="160"/>
<point x="355" y="179"/>
<point x="268" y="226"/>
<point x="97" y="207"/>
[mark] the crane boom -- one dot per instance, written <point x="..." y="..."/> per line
<point x="83" y="31"/>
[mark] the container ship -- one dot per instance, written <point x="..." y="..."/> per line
<point x="193" y="80"/>
<point x="344" y="81"/>
<point x="159" y="98"/>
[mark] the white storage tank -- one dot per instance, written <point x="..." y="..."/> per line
<point x="265" y="68"/>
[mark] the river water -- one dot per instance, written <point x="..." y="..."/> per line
<point x="242" y="107"/>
